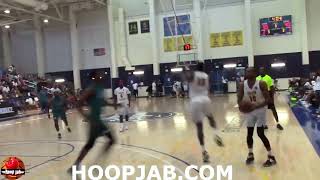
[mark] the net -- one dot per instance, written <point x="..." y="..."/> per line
<point x="187" y="59"/>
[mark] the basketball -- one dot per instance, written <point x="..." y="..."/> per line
<point x="245" y="106"/>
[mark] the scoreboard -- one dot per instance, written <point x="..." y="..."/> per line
<point x="277" y="25"/>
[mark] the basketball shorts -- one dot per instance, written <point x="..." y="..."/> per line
<point x="123" y="110"/>
<point x="200" y="108"/>
<point x="57" y="116"/>
<point x="256" y="118"/>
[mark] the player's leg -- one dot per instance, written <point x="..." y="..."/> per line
<point x="56" y="125"/>
<point x="251" y="121"/>
<point x="200" y="135"/>
<point x="197" y="116"/>
<point x="272" y="107"/>
<point x="121" y="123"/>
<point x="250" y="157"/>
<point x="126" y="112"/>
<point x="65" y="120"/>
<point x="48" y="110"/>
<point x="108" y="134"/>
<point x="93" y="135"/>
<point x="261" y="121"/>
<point x="212" y="122"/>
<point x="121" y="112"/>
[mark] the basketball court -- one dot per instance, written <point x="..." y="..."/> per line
<point x="164" y="141"/>
<point x="147" y="44"/>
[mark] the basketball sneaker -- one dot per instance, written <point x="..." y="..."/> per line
<point x="250" y="159"/>
<point x="279" y="127"/>
<point x="270" y="162"/>
<point x="126" y="127"/>
<point x="69" y="130"/>
<point x="121" y="128"/>
<point x="206" y="157"/>
<point x="218" y="140"/>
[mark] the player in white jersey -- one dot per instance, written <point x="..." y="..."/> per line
<point x="253" y="98"/>
<point x="122" y="97"/>
<point x="200" y="104"/>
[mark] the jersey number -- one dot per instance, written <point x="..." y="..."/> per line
<point x="201" y="82"/>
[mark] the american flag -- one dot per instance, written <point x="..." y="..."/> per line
<point x="99" y="52"/>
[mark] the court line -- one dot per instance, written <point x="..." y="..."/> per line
<point x="57" y="157"/>
<point x="155" y="157"/>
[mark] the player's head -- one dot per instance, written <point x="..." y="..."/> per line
<point x="200" y="66"/>
<point x="262" y="71"/>
<point x="96" y="77"/>
<point x="251" y="73"/>
<point x="121" y="83"/>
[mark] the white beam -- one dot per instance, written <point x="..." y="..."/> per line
<point x="100" y="2"/>
<point x="15" y="22"/>
<point x="54" y="3"/>
<point x="8" y="16"/>
<point x="32" y="12"/>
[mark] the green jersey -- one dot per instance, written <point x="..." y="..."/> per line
<point x="96" y="103"/>
<point x="58" y="105"/>
<point x="267" y="79"/>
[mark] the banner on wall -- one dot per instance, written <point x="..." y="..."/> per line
<point x="215" y="40"/>
<point x="224" y="39"/>
<point x="133" y="28"/>
<point x="145" y="26"/>
<point x="180" y="25"/>
<point x="176" y="43"/>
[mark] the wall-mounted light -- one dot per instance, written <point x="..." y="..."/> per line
<point x="46" y="20"/>
<point x="176" y="69"/>
<point x="7" y="11"/>
<point x="138" y="72"/>
<point x="7" y="26"/>
<point x="278" y="65"/>
<point x="229" y="66"/>
<point x="60" y="80"/>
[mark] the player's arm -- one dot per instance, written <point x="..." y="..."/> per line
<point x="240" y="93"/>
<point x="115" y="98"/>
<point x="265" y="93"/>
<point x="84" y="98"/>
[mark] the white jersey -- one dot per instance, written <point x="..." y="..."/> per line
<point x="122" y="95"/>
<point x="135" y="86"/>
<point x="199" y="87"/>
<point x="254" y="94"/>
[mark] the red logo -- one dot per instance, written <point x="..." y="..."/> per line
<point x="12" y="168"/>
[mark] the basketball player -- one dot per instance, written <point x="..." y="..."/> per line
<point x="59" y="107"/>
<point x="253" y="97"/>
<point x="93" y="96"/>
<point x="200" y="104"/>
<point x="122" y="97"/>
<point x="269" y="81"/>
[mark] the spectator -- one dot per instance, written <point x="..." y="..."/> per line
<point x="5" y="89"/>
<point x="135" y="89"/>
<point x="154" y="88"/>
